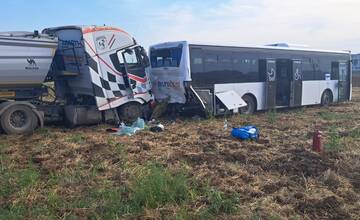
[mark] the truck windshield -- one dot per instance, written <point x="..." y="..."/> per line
<point x="134" y="57"/>
<point x="136" y="60"/>
<point x="131" y="58"/>
<point x="169" y="57"/>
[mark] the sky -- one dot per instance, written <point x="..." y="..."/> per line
<point x="322" y="24"/>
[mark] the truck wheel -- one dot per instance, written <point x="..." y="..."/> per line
<point x="18" y="119"/>
<point x="251" y="105"/>
<point x="130" y="112"/>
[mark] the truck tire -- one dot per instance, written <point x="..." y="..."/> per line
<point x="129" y="112"/>
<point x="18" y="119"/>
<point x="251" y="105"/>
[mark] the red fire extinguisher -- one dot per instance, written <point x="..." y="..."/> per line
<point x="317" y="140"/>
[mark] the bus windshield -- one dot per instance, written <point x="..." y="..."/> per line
<point x="169" y="57"/>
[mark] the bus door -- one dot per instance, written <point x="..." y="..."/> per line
<point x="296" y="84"/>
<point x="283" y="82"/>
<point x="343" y="81"/>
<point x="268" y="69"/>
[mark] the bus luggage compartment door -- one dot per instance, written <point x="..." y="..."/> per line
<point x="296" y="84"/>
<point x="268" y="69"/>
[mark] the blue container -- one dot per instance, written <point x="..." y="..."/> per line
<point x="246" y="133"/>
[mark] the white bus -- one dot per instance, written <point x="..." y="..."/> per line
<point x="247" y="79"/>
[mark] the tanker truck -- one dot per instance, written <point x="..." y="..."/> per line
<point x="80" y="75"/>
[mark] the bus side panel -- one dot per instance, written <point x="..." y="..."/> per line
<point x="313" y="90"/>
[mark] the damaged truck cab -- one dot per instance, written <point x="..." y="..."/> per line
<point x="100" y="69"/>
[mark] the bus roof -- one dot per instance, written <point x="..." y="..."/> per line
<point x="281" y="47"/>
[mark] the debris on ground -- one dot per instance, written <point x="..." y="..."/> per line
<point x="246" y="133"/>
<point x="138" y="125"/>
<point x="157" y="128"/>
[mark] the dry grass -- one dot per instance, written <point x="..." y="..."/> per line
<point x="87" y="173"/>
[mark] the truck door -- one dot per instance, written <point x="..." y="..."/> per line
<point x="296" y="84"/>
<point x="268" y="70"/>
<point x="343" y="82"/>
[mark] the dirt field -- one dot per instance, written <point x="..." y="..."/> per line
<point x="193" y="170"/>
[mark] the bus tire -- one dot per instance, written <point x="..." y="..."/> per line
<point x="326" y="98"/>
<point x="129" y="112"/>
<point x="18" y="119"/>
<point x="251" y="105"/>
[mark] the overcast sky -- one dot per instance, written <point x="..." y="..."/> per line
<point x="326" y="24"/>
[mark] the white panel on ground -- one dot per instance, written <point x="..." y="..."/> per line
<point x="231" y="100"/>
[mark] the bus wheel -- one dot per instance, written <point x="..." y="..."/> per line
<point x="18" y="119"/>
<point x="326" y="98"/>
<point x="130" y="112"/>
<point x="251" y="105"/>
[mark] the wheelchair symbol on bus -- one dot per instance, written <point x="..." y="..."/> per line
<point x="271" y="75"/>
<point x="297" y="74"/>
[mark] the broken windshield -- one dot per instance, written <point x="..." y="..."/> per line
<point x="168" y="57"/>
<point x="134" y="60"/>
<point x="134" y="57"/>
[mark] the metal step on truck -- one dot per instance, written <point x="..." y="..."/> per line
<point x="80" y="75"/>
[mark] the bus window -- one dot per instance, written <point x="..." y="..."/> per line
<point x="211" y="62"/>
<point x="325" y="66"/>
<point x="169" y="57"/>
<point x="197" y="61"/>
<point x="308" y="69"/>
<point x="246" y="66"/>
<point x="225" y="62"/>
<point x="318" y="75"/>
<point x="334" y="70"/>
